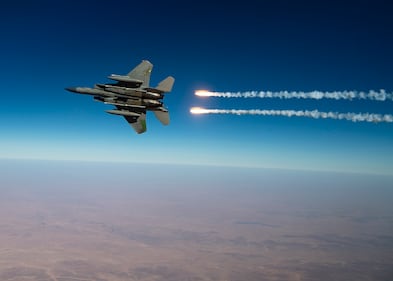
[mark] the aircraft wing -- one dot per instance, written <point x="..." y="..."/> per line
<point x="139" y="123"/>
<point x="136" y="78"/>
<point x="142" y="72"/>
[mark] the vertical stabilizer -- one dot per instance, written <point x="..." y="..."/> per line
<point x="142" y="72"/>
<point x="166" y="85"/>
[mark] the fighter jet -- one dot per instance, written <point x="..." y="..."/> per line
<point x="132" y="96"/>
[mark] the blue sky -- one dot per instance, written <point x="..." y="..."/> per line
<point x="256" y="45"/>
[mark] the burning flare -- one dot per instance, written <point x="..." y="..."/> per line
<point x="205" y="93"/>
<point x="199" y="110"/>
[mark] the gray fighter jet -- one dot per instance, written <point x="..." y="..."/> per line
<point x="132" y="96"/>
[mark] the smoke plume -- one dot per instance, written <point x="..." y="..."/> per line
<point x="350" y="116"/>
<point x="380" y="95"/>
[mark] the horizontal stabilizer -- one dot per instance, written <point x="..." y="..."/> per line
<point x="163" y="116"/>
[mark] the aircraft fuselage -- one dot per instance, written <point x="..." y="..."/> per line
<point x="134" y="92"/>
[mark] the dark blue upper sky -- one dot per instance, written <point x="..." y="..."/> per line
<point x="215" y="45"/>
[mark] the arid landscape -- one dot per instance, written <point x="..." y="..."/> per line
<point x="81" y="222"/>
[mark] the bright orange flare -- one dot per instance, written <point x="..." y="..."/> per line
<point x="198" y="110"/>
<point x="203" y="93"/>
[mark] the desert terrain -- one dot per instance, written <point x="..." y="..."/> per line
<point x="111" y="222"/>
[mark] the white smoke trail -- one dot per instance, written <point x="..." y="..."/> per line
<point x="380" y="95"/>
<point x="350" y="116"/>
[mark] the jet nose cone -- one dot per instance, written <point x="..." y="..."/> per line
<point x="71" y="89"/>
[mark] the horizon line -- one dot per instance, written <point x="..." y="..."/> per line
<point x="101" y="161"/>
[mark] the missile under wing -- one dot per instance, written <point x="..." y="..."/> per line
<point x="132" y="96"/>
